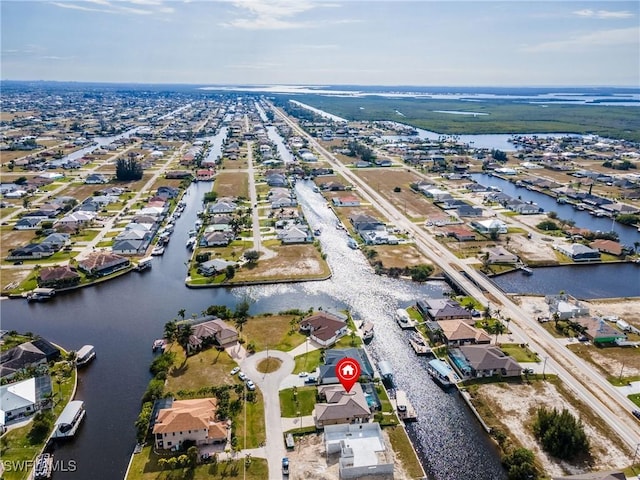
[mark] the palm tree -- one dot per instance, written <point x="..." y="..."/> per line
<point x="170" y="330"/>
<point x="181" y="313"/>
<point x="184" y="333"/>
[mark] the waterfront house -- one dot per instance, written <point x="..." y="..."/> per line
<point x="362" y="222"/>
<point x="215" y="239"/>
<point x="129" y="247"/>
<point x="215" y="266"/>
<point x="324" y="329"/>
<point x="63" y="276"/>
<point x="458" y="332"/>
<point x="607" y="246"/>
<point x="499" y="254"/>
<point x="193" y="420"/>
<point x="443" y="309"/>
<point x="362" y="450"/>
<point x="336" y="406"/>
<point x="485" y="361"/>
<point x="103" y="263"/>
<point x="578" y="252"/>
<point x="295" y="234"/>
<point x="327" y="373"/>
<point x="22" y="399"/>
<point x="27" y="355"/>
<point x="222" y="207"/>
<point x="211" y="327"/>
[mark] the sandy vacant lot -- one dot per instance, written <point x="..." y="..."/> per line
<point x="310" y="462"/>
<point x="516" y="407"/>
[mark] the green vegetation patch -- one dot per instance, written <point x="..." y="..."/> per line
<point x="519" y="352"/>
<point x="297" y="401"/>
<point x="404" y="451"/>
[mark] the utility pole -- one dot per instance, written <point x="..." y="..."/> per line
<point x="544" y="366"/>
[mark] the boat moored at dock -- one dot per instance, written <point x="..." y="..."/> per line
<point x="69" y="420"/>
<point x="386" y="373"/>
<point x="41" y="294"/>
<point x="442" y="373"/>
<point x="404" y="320"/>
<point x="367" y="331"/>
<point x="143" y="264"/>
<point x="43" y="467"/>
<point x="86" y="354"/>
<point x="405" y="410"/>
<point x="419" y="344"/>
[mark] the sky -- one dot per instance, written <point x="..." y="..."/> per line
<point x="313" y="42"/>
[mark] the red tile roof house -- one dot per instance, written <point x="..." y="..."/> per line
<point x="189" y="420"/>
<point x="103" y="263"/>
<point x="58" y="277"/>
<point x="223" y="333"/>
<point x="324" y="329"/>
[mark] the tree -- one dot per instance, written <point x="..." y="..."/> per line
<point x="170" y="330"/>
<point x="230" y="271"/>
<point x="560" y="433"/>
<point x="498" y="155"/>
<point x="128" y="169"/>
<point x="252" y="256"/>
<point x="184" y="333"/>
<point x="520" y="465"/>
<point x="181" y="313"/>
<point x="421" y="273"/>
<point x="547" y="225"/>
<point x="192" y="453"/>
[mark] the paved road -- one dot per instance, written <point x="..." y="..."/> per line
<point x="269" y="385"/>
<point x="604" y="399"/>
<point x="253" y="198"/>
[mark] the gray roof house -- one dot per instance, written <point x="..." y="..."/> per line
<point x="488" y="360"/>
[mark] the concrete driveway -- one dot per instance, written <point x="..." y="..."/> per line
<point x="269" y="385"/>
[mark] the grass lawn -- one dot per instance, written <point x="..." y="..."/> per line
<point x="274" y="332"/>
<point x="519" y="354"/>
<point x="306" y="401"/>
<point x="206" y="368"/>
<point x="307" y="362"/>
<point x="269" y="365"/>
<point x="635" y="398"/>
<point x="256" y="431"/>
<point x="145" y="467"/>
<point x="403" y="449"/>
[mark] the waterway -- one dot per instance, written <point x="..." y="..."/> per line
<point x="283" y="150"/>
<point x="122" y="317"/>
<point x="627" y="234"/>
<point x="216" y="141"/>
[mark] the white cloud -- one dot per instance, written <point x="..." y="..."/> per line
<point x="136" y="7"/>
<point x="603" y="14"/>
<point x="598" y="38"/>
<point x="274" y="14"/>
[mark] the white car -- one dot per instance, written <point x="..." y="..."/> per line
<point x="303" y="374"/>
<point x="250" y="385"/>
<point x="242" y="376"/>
<point x="235" y="370"/>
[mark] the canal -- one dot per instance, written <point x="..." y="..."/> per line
<point x="583" y="219"/>
<point x="121" y="318"/>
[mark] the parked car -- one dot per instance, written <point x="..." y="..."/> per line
<point x="235" y="370"/>
<point x="636" y="413"/>
<point x="303" y="374"/>
<point x="242" y="376"/>
<point x="310" y="380"/>
<point x="285" y="466"/>
<point x="250" y="385"/>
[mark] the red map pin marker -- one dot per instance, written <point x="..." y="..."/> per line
<point x="348" y="372"/>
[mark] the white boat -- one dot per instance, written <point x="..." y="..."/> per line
<point x="352" y="243"/>
<point x="43" y="467"/>
<point x="157" y="250"/>
<point x="404" y="408"/>
<point x="367" y="331"/>
<point x="526" y="270"/>
<point x="69" y="420"/>
<point x="404" y="320"/>
<point x="419" y="344"/>
<point x="41" y="294"/>
<point x="442" y="373"/>
<point x="191" y="243"/>
<point x="85" y="355"/>
<point x="143" y="264"/>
